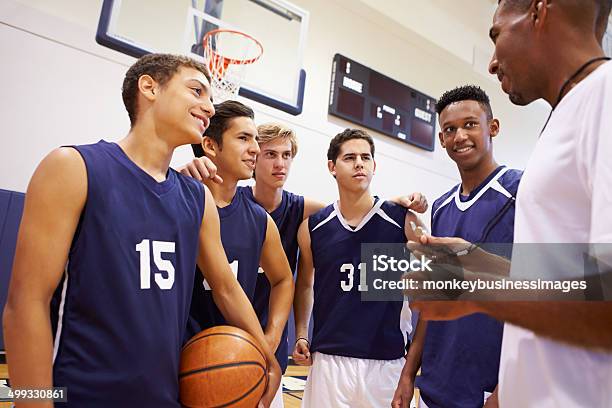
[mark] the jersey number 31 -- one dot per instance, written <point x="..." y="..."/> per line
<point x="347" y="285"/>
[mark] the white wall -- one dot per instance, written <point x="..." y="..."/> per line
<point x="60" y="87"/>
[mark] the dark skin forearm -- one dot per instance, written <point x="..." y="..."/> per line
<point x="584" y="324"/>
<point x="579" y="323"/>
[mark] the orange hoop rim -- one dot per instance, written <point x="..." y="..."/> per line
<point x="226" y="60"/>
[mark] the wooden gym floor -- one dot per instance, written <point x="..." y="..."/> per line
<point x="292" y="385"/>
<point x="292" y="398"/>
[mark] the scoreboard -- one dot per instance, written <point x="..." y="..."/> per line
<point x="370" y="99"/>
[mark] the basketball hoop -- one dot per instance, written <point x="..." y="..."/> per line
<point x="227" y="53"/>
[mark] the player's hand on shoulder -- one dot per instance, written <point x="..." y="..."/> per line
<point x="301" y="352"/>
<point x="274" y="381"/>
<point x="416" y="202"/>
<point x="201" y="169"/>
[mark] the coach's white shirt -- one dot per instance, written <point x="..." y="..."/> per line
<point x="565" y="196"/>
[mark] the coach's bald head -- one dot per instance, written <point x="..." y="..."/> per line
<point x="539" y="44"/>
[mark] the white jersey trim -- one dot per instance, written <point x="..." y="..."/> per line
<point x="60" y="314"/>
<point x="465" y="205"/>
<point x="364" y="220"/>
<point x="326" y="220"/>
<point x="385" y="217"/>
<point x="499" y="188"/>
<point x="448" y="200"/>
<point x="373" y="211"/>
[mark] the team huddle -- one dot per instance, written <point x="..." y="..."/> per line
<point x="121" y="259"/>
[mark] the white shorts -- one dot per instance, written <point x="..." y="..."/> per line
<point x="345" y="382"/>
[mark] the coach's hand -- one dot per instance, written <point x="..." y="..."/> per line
<point x="301" y="352"/>
<point x="442" y="248"/>
<point x="274" y="381"/>
<point x="201" y="168"/>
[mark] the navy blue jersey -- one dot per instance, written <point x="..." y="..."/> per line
<point x="243" y="232"/>
<point x="119" y="313"/>
<point x="461" y="357"/>
<point x="287" y="217"/>
<point x="345" y="325"/>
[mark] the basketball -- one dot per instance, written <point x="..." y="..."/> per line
<point x="222" y="366"/>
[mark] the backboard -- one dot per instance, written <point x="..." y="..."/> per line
<point x="277" y="79"/>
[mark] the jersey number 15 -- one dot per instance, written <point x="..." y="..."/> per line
<point x="163" y="265"/>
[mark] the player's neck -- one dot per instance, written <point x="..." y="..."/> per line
<point x="268" y="197"/>
<point x="355" y="205"/>
<point x="223" y="193"/>
<point x="148" y="151"/>
<point x="472" y="178"/>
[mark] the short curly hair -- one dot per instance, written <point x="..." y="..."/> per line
<point x="346" y="135"/>
<point x="465" y="93"/>
<point x="161" y="67"/>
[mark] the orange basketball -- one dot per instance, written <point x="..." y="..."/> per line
<point x="222" y="367"/>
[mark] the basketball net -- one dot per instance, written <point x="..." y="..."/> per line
<point x="227" y="54"/>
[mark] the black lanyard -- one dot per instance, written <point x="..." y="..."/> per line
<point x="569" y="81"/>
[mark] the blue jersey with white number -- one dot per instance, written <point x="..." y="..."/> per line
<point x="345" y="325"/>
<point x="461" y="357"/>
<point x="287" y="217"/>
<point x="119" y="313"/>
<point x="243" y="232"/>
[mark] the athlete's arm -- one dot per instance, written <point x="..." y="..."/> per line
<point x="405" y="388"/>
<point x="227" y="292"/>
<point x="201" y="169"/>
<point x="311" y="207"/>
<point x="277" y="270"/>
<point x="55" y="198"/>
<point x="303" y="296"/>
<point x="582" y="323"/>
